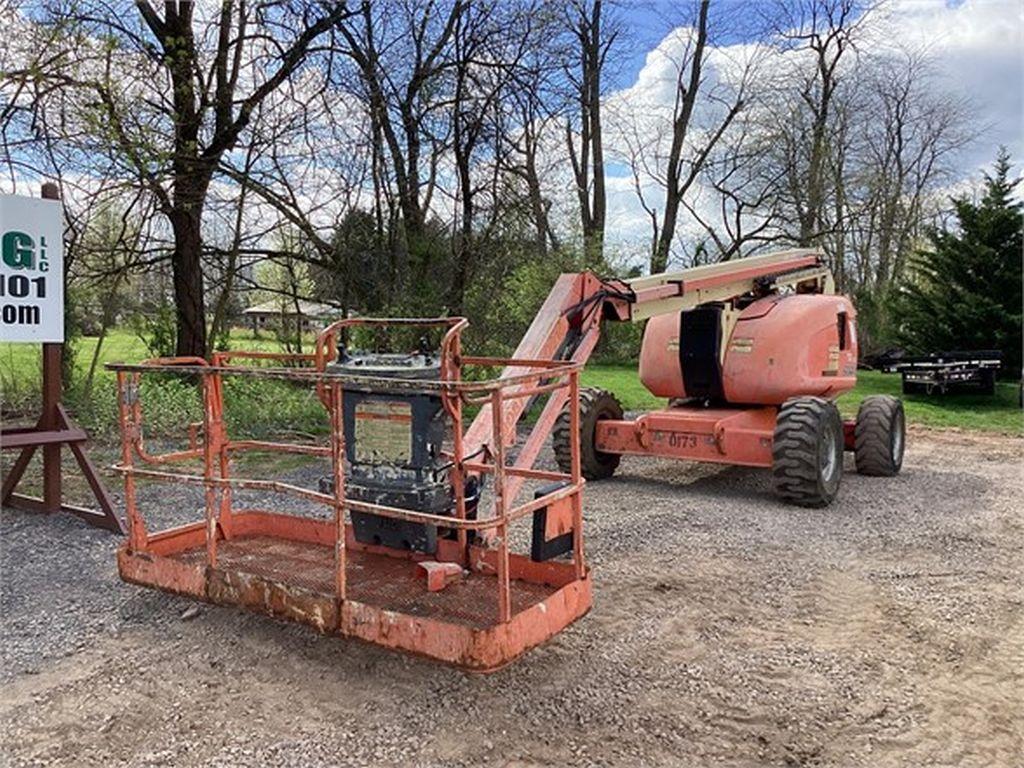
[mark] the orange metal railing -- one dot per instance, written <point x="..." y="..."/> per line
<point x="557" y="379"/>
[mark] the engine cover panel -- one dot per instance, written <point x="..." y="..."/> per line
<point x="779" y="347"/>
<point x="805" y="345"/>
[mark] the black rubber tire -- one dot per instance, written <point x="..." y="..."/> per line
<point x="880" y="436"/>
<point x="807" y="452"/>
<point x="988" y="382"/>
<point x="914" y="388"/>
<point x="595" y="405"/>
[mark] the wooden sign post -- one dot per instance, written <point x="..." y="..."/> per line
<point x="32" y="298"/>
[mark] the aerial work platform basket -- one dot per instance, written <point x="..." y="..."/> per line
<point x="465" y="597"/>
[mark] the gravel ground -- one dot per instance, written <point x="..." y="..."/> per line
<point x="726" y="628"/>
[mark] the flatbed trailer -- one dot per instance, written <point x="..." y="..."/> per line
<point x="950" y="372"/>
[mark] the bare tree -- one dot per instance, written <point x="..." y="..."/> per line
<point x="738" y="206"/>
<point x="908" y="131"/>
<point x="907" y="144"/>
<point x="860" y="144"/>
<point x="529" y="118"/>
<point x="680" y="172"/>
<point x="402" y="51"/>
<point x="667" y="148"/>
<point x="593" y="37"/>
<point x="489" y="44"/>
<point x="820" y="35"/>
<point x="171" y="94"/>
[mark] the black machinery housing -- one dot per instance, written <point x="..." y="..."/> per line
<point x="393" y="446"/>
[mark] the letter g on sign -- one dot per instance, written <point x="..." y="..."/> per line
<point x="18" y="250"/>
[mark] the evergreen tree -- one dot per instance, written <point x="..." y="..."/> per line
<point x="964" y="291"/>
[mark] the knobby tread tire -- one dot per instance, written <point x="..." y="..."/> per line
<point x="800" y="430"/>
<point x="595" y="405"/>
<point x="877" y="418"/>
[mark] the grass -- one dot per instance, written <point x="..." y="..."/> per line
<point x="1000" y="413"/>
<point x="255" y="409"/>
<point x="266" y="409"/>
<point x="121" y="345"/>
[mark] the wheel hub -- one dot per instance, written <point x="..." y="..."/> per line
<point x="829" y="456"/>
<point x="897" y="438"/>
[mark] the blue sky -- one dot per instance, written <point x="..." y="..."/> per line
<point x="648" y="21"/>
<point x="977" y="47"/>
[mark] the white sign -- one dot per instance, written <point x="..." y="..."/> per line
<point x="31" y="269"/>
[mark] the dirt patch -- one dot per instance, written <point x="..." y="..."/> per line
<point x="886" y="630"/>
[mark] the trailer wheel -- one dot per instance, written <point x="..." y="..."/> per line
<point x="988" y="382"/>
<point x="595" y="405"/>
<point x="807" y="452"/>
<point x="880" y="436"/>
<point x="914" y="388"/>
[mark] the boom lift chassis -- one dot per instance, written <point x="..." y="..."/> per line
<point x="740" y="436"/>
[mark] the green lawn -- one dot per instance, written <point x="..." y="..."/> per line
<point x="257" y="409"/>
<point x="287" y="408"/>
<point x="1000" y="413"/>
<point x="121" y="345"/>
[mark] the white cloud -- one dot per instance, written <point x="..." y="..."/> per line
<point x="977" y="51"/>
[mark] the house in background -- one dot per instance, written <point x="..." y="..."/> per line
<point x="278" y="313"/>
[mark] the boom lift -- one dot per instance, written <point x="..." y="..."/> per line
<point x="750" y="356"/>
<point x="417" y="553"/>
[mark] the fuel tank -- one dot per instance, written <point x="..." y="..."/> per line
<point x="776" y="348"/>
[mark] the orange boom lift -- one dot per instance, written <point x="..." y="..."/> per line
<point x="423" y="546"/>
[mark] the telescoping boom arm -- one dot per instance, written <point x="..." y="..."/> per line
<point x="568" y="324"/>
<point x="685" y="289"/>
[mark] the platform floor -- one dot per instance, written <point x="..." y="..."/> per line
<point x="386" y="582"/>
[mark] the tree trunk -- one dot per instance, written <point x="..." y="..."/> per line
<point x="107" y="320"/>
<point x="593" y="239"/>
<point x="463" y="241"/>
<point x="659" y="259"/>
<point x="839" y="258"/>
<point x="810" y="217"/>
<point x="409" y="192"/>
<point x="219" y="324"/>
<point x="537" y="209"/>
<point x="186" y="260"/>
<point x="687" y="89"/>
